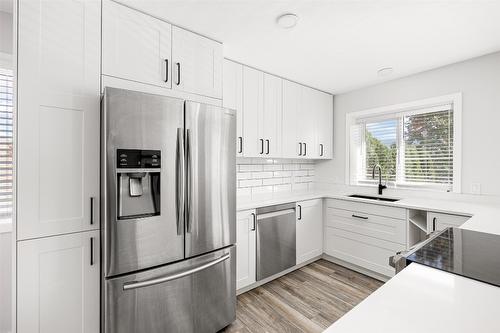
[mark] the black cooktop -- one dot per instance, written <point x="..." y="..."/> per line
<point x="472" y="254"/>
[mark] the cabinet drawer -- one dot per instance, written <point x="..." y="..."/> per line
<point x="364" y="251"/>
<point x="374" y="209"/>
<point x="440" y="221"/>
<point x="380" y="227"/>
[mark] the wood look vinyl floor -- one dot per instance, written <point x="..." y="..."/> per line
<point x="306" y="300"/>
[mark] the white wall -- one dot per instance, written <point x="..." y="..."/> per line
<point x="479" y="81"/>
<point x="6" y="32"/>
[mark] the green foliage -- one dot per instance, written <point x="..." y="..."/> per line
<point x="379" y="153"/>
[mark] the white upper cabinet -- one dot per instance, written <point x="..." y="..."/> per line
<point x="309" y="232"/>
<point x="245" y="248"/>
<point x="197" y="63"/>
<point x="135" y="46"/>
<point x="58" y="284"/>
<point x="270" y="119"/>
<point x="58" y="117"/>
<point x="232" y="97"/>
<point x="307" y="127"/>
<point x="253" y="108"/>
<point x="292" y="97"/>
<point x="324" y="126"/>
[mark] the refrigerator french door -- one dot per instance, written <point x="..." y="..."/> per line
<point x="168" y="186"/>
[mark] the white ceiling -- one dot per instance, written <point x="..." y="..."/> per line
<point x="339" y="45"/>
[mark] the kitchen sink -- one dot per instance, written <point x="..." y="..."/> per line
<point x="361" y="196"/>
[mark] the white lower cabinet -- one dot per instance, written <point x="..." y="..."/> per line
<point x="309" y="230"/>
<point x="441" y="221"/>
<point x="365" y="235"/>
<point x="245" y="248"/>
<point x="58" y="284"/>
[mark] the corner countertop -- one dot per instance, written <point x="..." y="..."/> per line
<point x="485" y="217"/>
<point x="420" y="298"/>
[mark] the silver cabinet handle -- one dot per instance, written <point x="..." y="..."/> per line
<point x="147" y="283"/>
<point x="300" y="148"/>
<point x="305" y="149"/>
<point x="264" y="216"/>
<point x="240" y="140"/>
<point x="189" y="182"/>
<point x="261" y="146"/>
<point x="254" y="222"/>
<point x="92" y="209"/>
<point x="321" y="149"/>
<point x="92" y="252"/>
<point x="179" y="181"/>
<point x="360" y="217"/>
<point x="178" y="73"/>
<point x="267" y="144"/>
<point x="300" y="212"/>
<point x="166" y="70"/>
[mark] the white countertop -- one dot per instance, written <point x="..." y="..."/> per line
<point x="420" y="298"/>
<point x="423" y="299"/>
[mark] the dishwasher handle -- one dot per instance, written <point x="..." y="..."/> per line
<point x="275" y="213"/>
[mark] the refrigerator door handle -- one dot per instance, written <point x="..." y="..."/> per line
<point x="147" y="283"/>
<point x="189" y="181"/>
<point x="179" y="183"/>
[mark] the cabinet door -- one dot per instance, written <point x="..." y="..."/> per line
<point x="324" y="125"/>
<point x="270" y="120"/>
<point x="58" y="284"/>
<point x="197" y="63"/>
<point x="292" y="94"/>
<point x="253" y="106"/>
<point x="309" y="229"/>
<point x="245" y="248"/>
<point x="307" y="121"/>
<point x="58" y="117"/>
<point x="440" y="221"/>
<point x="232" y="97"/>
<point x="135" y="46"/>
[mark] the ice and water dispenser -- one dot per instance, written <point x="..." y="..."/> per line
<point x="138" y="181"/>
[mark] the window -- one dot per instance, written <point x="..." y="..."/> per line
<point x="6" y="141"/>
<point x="414" y="143"/>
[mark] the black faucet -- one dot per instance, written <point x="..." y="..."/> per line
<point x="380" y="186"/>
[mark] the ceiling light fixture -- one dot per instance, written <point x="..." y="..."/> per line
<point x="386" y="71"/>
<point x="287" y="21"/>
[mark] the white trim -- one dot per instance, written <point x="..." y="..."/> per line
<point x="6" y="60"/>
<point x="381" y="112"/>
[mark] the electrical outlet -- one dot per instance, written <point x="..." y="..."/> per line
<point x="475" y="188"/>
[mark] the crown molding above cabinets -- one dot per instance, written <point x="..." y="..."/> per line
<point x="277" y="118"/>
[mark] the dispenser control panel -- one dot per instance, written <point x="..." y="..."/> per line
<point x="136" y="158"/>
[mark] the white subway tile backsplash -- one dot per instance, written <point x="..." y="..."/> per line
<point x="261" y="177"/>
<point x="249" y="167"/>
<point x="273" y="167"/>
<point x="282" y="174"/>
<point x="272" y="181"/>
<point x="250" y="183"/>
<point x="282" y="188"/>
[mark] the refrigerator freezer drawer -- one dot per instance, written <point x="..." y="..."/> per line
<point x="195" y="295"/>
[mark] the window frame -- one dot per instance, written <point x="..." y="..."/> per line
<point x="392" y="111"/>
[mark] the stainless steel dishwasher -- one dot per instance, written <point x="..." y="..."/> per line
<point x="276" y="245"/>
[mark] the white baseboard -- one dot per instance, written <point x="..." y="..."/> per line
<point x="356" y="268"/>
<point x="275" y="276"/>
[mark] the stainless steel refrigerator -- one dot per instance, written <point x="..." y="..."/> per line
<point x="168" y="187"/>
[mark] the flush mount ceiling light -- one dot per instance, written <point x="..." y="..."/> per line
<point x="287" y="21"/>
<point x="386" y="71"/>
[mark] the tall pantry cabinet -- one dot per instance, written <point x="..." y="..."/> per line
<point x="58" y="166"/>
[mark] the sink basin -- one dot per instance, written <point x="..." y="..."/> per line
<point x="361" y="196"/>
